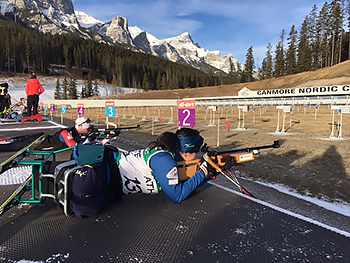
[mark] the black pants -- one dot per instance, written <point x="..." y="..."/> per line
<point x="19" y="142"/>
<point x="32" y="102"/>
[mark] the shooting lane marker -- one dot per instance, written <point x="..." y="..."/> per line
<point x="285" y="109"/>
<point x="334" y="108"/>
<point x="243" y="109"/>
<point x="152" y="125"/>
<point x="63" y="111"/>
<point x="124" y="116"/>
<point x="171" y="120"/>
<point x="253" y="109"/>
<point x="52" y="109"/>
<point x="212" y="110"/>
<point x="186" y="113"/>
<point x="110" y="111"/>
<point x="218" y="137"/>
<point x="343" y="109"/>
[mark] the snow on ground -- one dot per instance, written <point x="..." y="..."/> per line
<point x="17" y="88"/>
<point x="15" y="175"/>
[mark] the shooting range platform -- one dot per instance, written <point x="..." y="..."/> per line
<point x="213" y="225"/>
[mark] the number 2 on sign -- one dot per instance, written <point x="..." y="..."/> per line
<point x="187" y="118"/>
<point x="188" y="114"/>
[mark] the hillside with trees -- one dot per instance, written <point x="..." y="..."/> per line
<point x="23" y="50"/>
<point x="322" y="41"/>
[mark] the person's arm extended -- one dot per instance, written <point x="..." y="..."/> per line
<point x="165" y="170"/>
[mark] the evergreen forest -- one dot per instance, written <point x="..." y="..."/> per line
<point x="23" y="51"/>
<point x="322" y="40"/>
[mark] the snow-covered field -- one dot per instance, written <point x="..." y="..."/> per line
<point x="17" y="87"/>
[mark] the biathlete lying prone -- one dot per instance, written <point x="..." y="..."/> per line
<point x="147" y="171"/>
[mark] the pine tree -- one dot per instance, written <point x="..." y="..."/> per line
<point x="279" y="69"/>
<point x="58" y="90"/>
<point x="249" y="65"/>
<point x="88" y="87"/>
<point x="291" y="55"/>
<point x="304" y="53"/>
<point x="323" y="29"/>
<point x="72" y="92"/>
<point x="96" y="92"/>
<point x="337" y="16"/>
<point x="83" y="91"/>
<point x="65" y="89"/>
<point x="347" y="11"/>
<point x="314" y="37"/>
<point x="145" y="83"/>
<point x="267" y="64"/>
<point x="164" y="82"/>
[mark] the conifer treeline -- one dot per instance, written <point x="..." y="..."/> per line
<point x="23" y="50"/>
<point x="322" y="41"/>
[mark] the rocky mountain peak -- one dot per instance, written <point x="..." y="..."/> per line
<point x="120" y="21"/>
<point x="65" y="6"/>
<point x="58" y="16"/>
<point x="118" y="31"/>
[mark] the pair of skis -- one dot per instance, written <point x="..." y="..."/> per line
<point x="15" y="158"/>
<point x="13" y="162"/>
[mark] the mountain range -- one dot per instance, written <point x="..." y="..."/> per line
<point x="59" y="16"/>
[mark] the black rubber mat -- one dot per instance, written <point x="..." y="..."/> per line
<point x="213" y="225"/>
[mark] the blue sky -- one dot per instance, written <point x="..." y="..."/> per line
<point x="231" y="26"/>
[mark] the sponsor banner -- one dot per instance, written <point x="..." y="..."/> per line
<point x="302" y="91"/>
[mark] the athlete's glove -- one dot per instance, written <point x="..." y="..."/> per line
<point x="205" y="168"/>
<point x="115" y="132"/>
<point x="230" y="162"/>
<point x="92" y="136"/>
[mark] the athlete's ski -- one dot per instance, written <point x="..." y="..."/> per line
<point x="13" y="198"/>
<point x="13" y="160"/>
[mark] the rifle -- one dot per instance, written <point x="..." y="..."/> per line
<point x="109" y="133"/>
<point x="223" y="162"/>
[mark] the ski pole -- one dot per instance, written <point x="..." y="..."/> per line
<point x="218" y="169"/>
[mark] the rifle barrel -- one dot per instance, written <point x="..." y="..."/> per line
<point x="275" y="144"/>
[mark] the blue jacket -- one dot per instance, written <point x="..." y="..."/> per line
<point x="163" y="163"/>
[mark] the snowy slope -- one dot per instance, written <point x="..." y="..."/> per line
<point x="17" y="88"/>
<point x="86" y="20"/>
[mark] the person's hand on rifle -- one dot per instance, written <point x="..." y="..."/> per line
<point x="115" y="132"/>
<point x="230" y="162"/>
<point x="205" y="168"/>
<point x="92" y="136"/>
